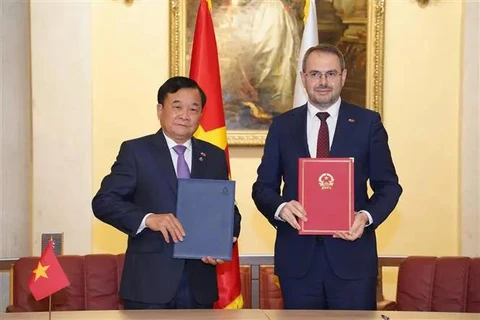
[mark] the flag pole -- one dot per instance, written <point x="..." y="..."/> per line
<point x="50" y="307"/>
<point x="50" y="296"/>
<point x="48" y="277"/>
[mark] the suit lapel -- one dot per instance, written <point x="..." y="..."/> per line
<point x="198" y="158"/>
<point x="346" y="123"/>
<point x="299" y="131"/>
<point x="162" y="157"/>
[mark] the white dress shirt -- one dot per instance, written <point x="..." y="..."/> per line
<point x="313" y="125"/>
<point x="174" y="155"/>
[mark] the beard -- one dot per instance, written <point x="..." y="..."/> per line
<point x="324" y="100"/>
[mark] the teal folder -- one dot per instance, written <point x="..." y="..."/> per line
<point x="205" y="208"/>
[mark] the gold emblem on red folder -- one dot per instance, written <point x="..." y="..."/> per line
<point x="326" y="181"/>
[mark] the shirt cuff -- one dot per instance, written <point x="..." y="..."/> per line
<point x="142" y="224"/>
<point x="370" y="219"/>
<point x="277" y="213"/>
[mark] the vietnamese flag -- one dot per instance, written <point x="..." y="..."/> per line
<point x="48" y="277"/>
<point x="205" y="71"/>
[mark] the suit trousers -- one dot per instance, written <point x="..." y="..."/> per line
<point x="183" y="300"/>
<point x="320" y="288"/>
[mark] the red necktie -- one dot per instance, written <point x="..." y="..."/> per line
<point x="323" y="145"/>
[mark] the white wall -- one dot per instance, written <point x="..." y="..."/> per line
<point x="15" y="135"/>
<point x="62" y="123"/>
<point x="470" y="151"/>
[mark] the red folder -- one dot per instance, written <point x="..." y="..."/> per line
<point x="326" y="191"/>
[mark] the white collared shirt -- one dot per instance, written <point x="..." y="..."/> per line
<point x="174" y="155"/>
<point x="313" y="125"/>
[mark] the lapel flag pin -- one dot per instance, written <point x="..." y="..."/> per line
<point x="351" y="120"/>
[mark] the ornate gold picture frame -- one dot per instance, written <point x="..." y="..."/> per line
<point x="257" y="44"/>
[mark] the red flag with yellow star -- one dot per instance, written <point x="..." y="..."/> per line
<point x="205" y="71"/>
<point x="48" y="277"/>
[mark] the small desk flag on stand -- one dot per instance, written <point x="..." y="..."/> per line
<point x="48" y="277"/>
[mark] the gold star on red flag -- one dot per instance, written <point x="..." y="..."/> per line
<point x="41" y="271"/>
<point x="42" y="284"/>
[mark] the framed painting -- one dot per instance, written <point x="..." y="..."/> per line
<point x="258" y="43"/>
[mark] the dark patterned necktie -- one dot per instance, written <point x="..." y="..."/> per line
<point x="182" y="168"/>
<point x="323" y="141"/>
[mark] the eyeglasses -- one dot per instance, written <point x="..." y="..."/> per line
<point x="329" y="75"/>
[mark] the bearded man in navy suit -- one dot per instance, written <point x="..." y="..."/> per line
<point x="139" y="196"/>
<point x="326" y="272"/>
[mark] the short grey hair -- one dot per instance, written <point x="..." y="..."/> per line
<point x="324" y="47"/>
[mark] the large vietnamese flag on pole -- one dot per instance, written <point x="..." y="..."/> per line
<point x="204" y="69"/>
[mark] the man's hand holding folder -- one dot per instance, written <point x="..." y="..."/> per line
<point x="356" y="230"/>
<point x="213" y="261"/>
<point x="169" y="226"/>
<point x="293" y="212"/>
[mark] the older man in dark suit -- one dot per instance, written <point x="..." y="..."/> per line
<point x="138" y="198"/>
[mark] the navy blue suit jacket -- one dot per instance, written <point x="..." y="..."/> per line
<point x="359" y="134"/>
<point x="143" y="180"/>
